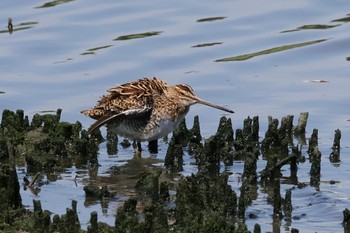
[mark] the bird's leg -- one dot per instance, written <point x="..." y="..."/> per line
<point x="153" y="146"/>
<point x="137" y="148"/>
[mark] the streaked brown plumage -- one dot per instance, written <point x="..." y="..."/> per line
<point x="145" y="110"/>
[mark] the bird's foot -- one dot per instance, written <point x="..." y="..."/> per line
<point x="137" y="149"/>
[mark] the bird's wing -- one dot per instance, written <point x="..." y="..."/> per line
<point x="130" y="99"/>
<point x="101" y="121"/>
<point x="109" y="117"/>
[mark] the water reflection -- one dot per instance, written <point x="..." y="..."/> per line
<point x="104" y="203"/>
<point x="18" y="27"/>
<point x="122" y="178"/>
<point x="9" y="25"/>
<point x="63" y="61"/>
<point x="44" y="111"/>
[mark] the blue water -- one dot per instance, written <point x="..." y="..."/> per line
<point x="66" y="56"/>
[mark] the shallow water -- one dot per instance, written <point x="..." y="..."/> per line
<point x="65" y="54"/>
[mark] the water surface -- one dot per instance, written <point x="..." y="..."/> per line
<point x="293" y="57"/>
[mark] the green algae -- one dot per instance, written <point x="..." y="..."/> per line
<point x="269" y="51"/>
<point x="92" y="50"/>
<point x="344" y="19"/>
<point x="209" y="19"/>
<point x="206" y="44"/>
<point x="138" y="35"/>
<point x="312" y="27"/>
<point x="54" y="3"/>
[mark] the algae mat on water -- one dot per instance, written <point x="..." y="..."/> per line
<point x="53" y="3"/>
<point x="138" y="35"/>
<point x="268" y="51"/>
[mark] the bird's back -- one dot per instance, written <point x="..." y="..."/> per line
<point x="133" y="99"/>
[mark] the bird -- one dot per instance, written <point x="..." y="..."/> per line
<point x="10" y="25"/>
<point x="145" y="110"/>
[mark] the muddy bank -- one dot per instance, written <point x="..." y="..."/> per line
<point x="202" y="202"/>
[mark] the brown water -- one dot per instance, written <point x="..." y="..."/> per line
<point x="65" y="54"/>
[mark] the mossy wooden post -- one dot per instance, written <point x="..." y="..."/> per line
<point x="255" y="129"/>
<point x="334" y="157"/>
<point x="71" y="223"/>
<point x="257" y="228"/>
<point x="112" y="142"/>
<point x="302" y="121"/>
<point x="209" y="161"/>
<point x="224" y="140"/>
<point x="346" y="220"/>
<point x="93" y="228"/>
<point x="287" y="206"/>
<point x="216" y="148"/>
<point x="55" y="223"/>
<point x="239" y="140"/>
<point x="294" y="162"/>
<point x="68" y="222"/>
<point x="126" y="219"/>
<point x="147" y="187"/>
<point x="315" y="170"/>
<point x="41" y="220"/>
<point x="195" y="132"/>
<point x="181" y="134"/>
<point x="153" y="146"/>
<point x="10" y="197"/>
<point x="76" y="218"/>
<point x="164" y="194"/>
<point x="277" y="200"/>
<point x="195" y="146"/>
<point x="313" y="141"/>
<point x="247" y="127"/>
<point x="287" y="123"/>
<point x="174" y="155"/>
<point x="271" y="136"/>
<point x="249" y="186"/>
<point x="205" y="204"/>
<point x="155" y="219"/>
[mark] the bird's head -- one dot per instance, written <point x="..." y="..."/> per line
<point x="185" y="94"/>
<point x="187" y="97"/>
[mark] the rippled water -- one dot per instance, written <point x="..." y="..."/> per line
<point x="258" y="58"/>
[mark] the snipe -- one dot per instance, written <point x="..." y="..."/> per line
<point x="145" y="110"/>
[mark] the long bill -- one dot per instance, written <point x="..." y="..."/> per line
<point x="200" y="101"/>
